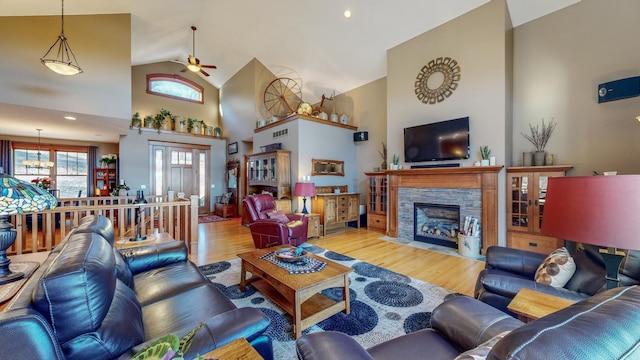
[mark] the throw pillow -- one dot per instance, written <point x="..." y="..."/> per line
<point x="226" y="198"/>
<point x="481" y="351"/>
<point x="278" y="215"/>
<point x="557" y="269"/>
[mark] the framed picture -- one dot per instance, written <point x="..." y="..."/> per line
<point x="233" y="148"/>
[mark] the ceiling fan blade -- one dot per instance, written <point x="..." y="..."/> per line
<point x="209" y="66"/>
<point x="204" y="72"/>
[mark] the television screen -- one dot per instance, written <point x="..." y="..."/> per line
<point x="444" y="140"/>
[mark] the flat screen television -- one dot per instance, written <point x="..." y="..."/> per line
<point x="444" y="140"/>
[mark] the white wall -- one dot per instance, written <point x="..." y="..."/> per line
<point x="135" y="158"/>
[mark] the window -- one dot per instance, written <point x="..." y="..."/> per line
<point x="175" y="86"/>
<point x="69" y="174"/>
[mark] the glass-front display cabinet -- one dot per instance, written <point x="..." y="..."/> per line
<point x="377" y="200"/>
<point x="526" y="193"/>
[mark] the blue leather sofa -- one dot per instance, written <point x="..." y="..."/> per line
<point x="90" y="301"/>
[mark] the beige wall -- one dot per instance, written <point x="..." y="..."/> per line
<point x="148" y="104"/>
<point x="102" y="45"/>
<point x="367" y="109"/>
<point x="559" y="61"/>
<point x="478" y="41"/>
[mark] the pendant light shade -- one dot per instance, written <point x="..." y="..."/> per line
<point x="59" y="58"/>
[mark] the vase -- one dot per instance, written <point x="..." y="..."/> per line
<point x="484" y="162"/>
<point x="217" y="132"/>
<point x="208" y="130"/>
<point x="181" y="124"/>
<point x="165" y="124"/>
<point x="538" y="158"/>
<point x="548" y="159"/>
<point x="526" y="158"/>
<point x="383" y="166"/>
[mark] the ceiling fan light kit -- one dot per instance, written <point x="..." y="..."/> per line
<point x="63" y="61"/>
<point x="193" y="63"/>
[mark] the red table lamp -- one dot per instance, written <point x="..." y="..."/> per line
<point x="304" y="189"/>
<point x="596" y="210"/>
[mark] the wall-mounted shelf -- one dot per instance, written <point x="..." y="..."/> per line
<point x="293" y="117"/>
<point x="178" y="133"/>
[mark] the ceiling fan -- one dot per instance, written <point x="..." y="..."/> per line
<point x="193" y="63"/>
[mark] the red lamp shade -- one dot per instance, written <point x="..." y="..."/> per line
<point x="597" y="210"/>
<point x="304" y="189"/>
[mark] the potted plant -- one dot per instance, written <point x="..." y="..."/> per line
<point x="108" y="159"/>
<point x="539" y="138"/>
<point x="195" y="126"/>
<point x="148" y="122"/>
<point x="395" y="162"/>
<point x="136" y="121"/>
<point x="157" y="122"/>
<point x="485" y="153"/>
<point x="168" y="347"/>
<point x="383" y="154"/>
<point x="167" y="120"/>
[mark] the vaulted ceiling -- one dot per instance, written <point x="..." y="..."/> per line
<point x="309" y="41"/>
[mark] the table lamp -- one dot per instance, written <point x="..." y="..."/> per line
<point x="17" y="197"/>
<point x="304" y="189"/>
<point x="596" y="210"/>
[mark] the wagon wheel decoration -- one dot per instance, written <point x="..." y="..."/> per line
<point x="437" y="80"/>
<point x="282" y="97"/>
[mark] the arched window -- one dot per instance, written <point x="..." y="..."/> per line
<point x="175" y="87"/>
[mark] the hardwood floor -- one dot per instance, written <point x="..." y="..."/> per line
<point x="223" y="240"/>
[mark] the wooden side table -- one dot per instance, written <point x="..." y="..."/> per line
<point x="314" y="226"/>
<point x="530" y="305"/>
<point x="239" y="349"/>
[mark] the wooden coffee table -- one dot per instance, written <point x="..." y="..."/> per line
<point x="298" y="294"/>
<point x="530" y="305"/>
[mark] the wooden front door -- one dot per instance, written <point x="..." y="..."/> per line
<point x="183" y="168"/>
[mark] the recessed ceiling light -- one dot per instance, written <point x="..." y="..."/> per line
<point x="69" y="117"/>
<point x="347" y="13"/>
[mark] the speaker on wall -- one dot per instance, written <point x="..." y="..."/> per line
<point x="619" y="89"/>
<point x="360" y="136"/>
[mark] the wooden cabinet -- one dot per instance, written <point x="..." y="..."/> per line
<point x="270" y="171"/>
<point x="377" y="200"/>
<point x="526" y="193"/>
<point x="104" y="181"/>
<point x="314" y="226"/>
<point x="336" y="209"/>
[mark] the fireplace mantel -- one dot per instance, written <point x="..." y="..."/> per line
<point x="484" y="178"/>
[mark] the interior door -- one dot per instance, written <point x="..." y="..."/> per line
<point x="183" y="168"/>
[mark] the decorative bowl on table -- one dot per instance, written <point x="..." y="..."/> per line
<point x="289" y="255"/>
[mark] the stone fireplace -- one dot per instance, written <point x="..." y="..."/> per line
<point x="473" y="189"/>
<point x="436" y="223"/>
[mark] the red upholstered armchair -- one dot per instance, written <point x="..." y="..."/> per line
<point x="270" y="227"/>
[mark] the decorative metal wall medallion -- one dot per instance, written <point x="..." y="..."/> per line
<point x="444" y="73"/>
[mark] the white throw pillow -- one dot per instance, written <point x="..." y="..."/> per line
<point x="557" y="269"/>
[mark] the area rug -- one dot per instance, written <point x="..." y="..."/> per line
<point x="210" y="218"/>
<point x="384" y="304"/>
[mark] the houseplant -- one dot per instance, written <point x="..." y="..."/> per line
<point x="383" y="154"/>
<point x="168" y="347"/>
<point x="168" y="119"/>
<point x="108" y="159"/>
<point x="42" y="183"/>
<point x="157" y="122"/>
<point x="485" y="153"/>
<point x="395" y="162"/>
<point x="539" y="138"/>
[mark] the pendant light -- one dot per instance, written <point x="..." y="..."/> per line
<point x="64" y="62"/>
<point x="38" y="164"/>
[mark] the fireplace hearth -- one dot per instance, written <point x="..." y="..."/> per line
<point x="436" y="223"/>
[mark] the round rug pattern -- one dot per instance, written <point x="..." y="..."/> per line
<point x="362" y="319"/>
<point x="372" y="271"/>
<point x="393" y="293"/>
